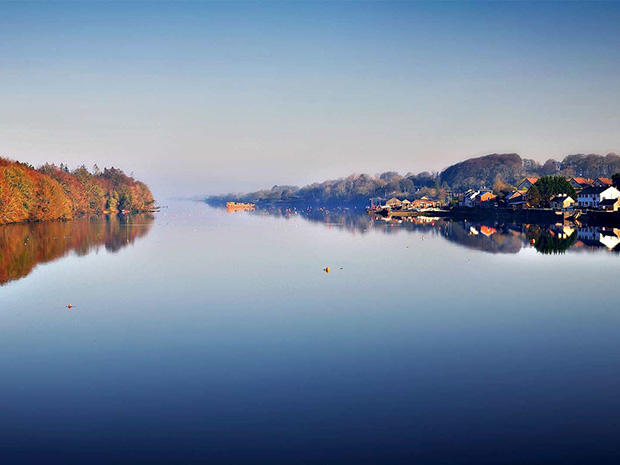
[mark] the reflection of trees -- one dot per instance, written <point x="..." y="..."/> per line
<point x="23" y="246"/>
<point x="351" y="219"/>
<point x="547" y="241"/>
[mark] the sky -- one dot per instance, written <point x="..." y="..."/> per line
<point x="214" y="97"/>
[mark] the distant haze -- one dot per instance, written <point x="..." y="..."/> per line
<point x="204" y="98"/>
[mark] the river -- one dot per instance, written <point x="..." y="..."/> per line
<point x="200" y="336"/>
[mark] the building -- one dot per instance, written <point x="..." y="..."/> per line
<point x="469" y="198"/>
<point x="484" y="199"/>
<point x="393" y="203"/>
<point x="515" y="200"/>
<point x="610" y="205"/>
<point x="590" y="197"/>
<point x="562" y="202"/>
<point x="603" y="182"/>
<point x="581" y="183"/>
<point x="424" y="202"/>
<point x="405" y="204"/>
<point x="526" y="184"/>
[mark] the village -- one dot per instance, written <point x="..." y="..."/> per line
<point x="597" y="195"/>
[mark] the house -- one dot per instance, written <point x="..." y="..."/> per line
<point x="562" y="202"/>
<point x="610" y="205"/>
<point x="405" y="204"/>
<point x="581" y="183"/>
<point x="603" y="182"/>
<point x="484" y="198"/>
<point x="526" y="184"/>
<point x="515" y="200"/>
<point x="424" y="202"/>
<point x="590" y="197"/>
<point x="393" y="203"/>
<point x="469" y="198"/>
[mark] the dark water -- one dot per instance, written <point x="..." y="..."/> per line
<point x="208" y="337"/>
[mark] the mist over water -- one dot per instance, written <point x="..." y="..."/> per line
<point x="199" y="335"/>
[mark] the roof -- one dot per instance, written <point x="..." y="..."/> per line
<point x="593" y="190"/>
<point x="610" y="202"/>
<point x="607" y="181"/>
<point x="561" y="198"/>
<point x="583" y="181"/>
<point x="514" y="195"/>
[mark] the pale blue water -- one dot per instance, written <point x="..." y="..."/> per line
<point x="218" y="338"/>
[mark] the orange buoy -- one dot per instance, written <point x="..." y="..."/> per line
<point x="327" y="269"/>
<point x="69" y="306"/>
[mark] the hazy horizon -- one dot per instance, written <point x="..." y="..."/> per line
<point x="207" y="98"/>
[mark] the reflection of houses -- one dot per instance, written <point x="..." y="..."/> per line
<point x="602" y="182"/>
<point x="562" y="202"/>
<point x="487" y="230"/>
<point x="596" y="237"/>
<point x="591" y="197"/>
<point x="526" y="184"/>
<point x="563" y="231"/>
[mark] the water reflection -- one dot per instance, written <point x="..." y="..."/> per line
<point x="23" y="246"/>
<point x="502" y="238"/>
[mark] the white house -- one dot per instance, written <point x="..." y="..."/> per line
<point x="562" y="202"/>
<point x="469" y="198"/>
<point x="590" y="197"/>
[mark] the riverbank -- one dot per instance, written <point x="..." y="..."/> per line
<point x="51" y="193"/>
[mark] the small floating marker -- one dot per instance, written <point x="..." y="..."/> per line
<point x="326" y="269"/>
<point x="69" y="306"/>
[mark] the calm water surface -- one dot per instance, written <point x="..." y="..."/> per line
<point x="202" y="336"/>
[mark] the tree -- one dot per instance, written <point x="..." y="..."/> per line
<point x="549" y="186"/>
<point x="533" y="196"/>
<point x="616" y="180"/>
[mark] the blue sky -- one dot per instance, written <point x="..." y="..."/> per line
<point x="206" y="97"/>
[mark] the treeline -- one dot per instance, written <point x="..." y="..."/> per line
<point x="54" y="193"/>
<point x="356" y="188"/>
<point x="500" y="172"/>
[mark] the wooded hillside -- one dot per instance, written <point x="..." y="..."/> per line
<point x="55" y="193"/>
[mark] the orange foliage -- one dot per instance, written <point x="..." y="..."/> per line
<point x="53" y="193"/>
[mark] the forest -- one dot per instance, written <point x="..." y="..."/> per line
<point x="499" y="172"/>
<point x="54" y="193"/>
